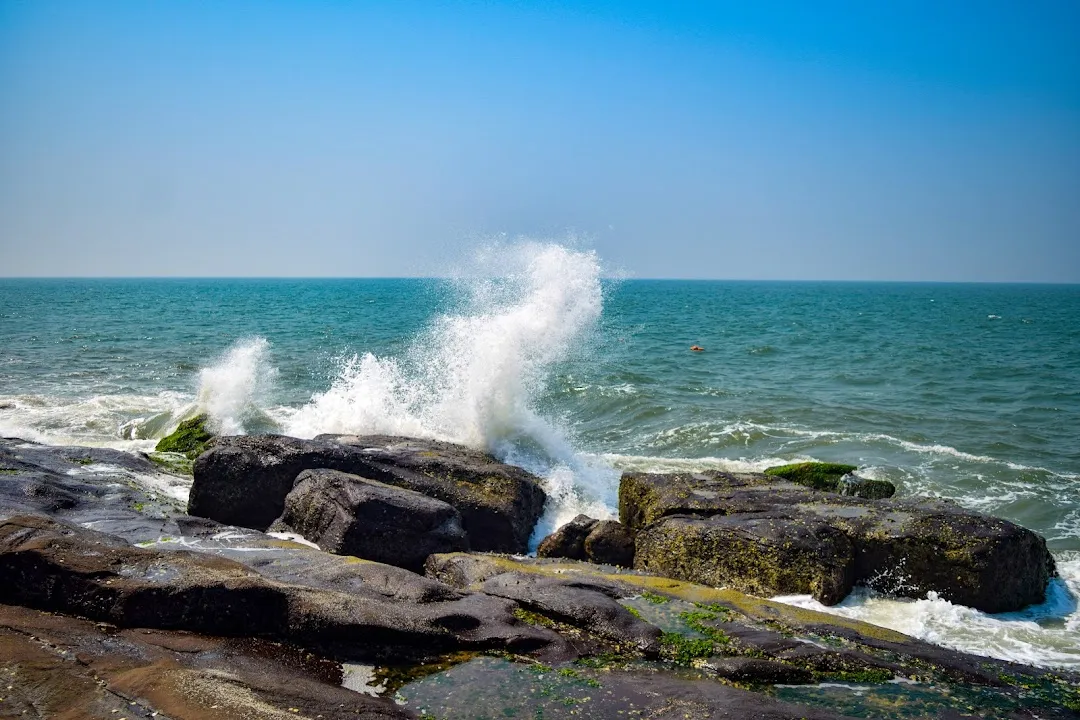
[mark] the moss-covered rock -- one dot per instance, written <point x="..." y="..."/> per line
<point x="817" y="475"/>
<point x="756" y="643"/>
<point x="191" y="437"/>
<point x="833" y="477"/>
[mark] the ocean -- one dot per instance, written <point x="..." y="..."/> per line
<point x="964" y="391"/>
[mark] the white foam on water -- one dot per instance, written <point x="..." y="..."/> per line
<point x="124" y="422"/>
<point x="474" y="375"/>
<point x="1046" y="635"/>
<point x="647" y="463"/>
<point x="232" y="389"/>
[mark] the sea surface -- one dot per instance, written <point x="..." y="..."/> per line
<point x="965" y="391"/>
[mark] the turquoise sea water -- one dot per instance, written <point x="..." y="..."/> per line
<point x="966" y="391"/>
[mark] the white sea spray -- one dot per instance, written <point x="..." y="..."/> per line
<point x="232" y="390"/>
<point x="474" y="376"/>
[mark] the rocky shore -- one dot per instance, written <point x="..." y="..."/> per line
<point x="384" y="577"/>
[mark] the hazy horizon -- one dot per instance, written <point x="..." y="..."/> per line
<point x="778" y="141"/>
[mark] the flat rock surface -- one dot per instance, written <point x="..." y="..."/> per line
<point x="61" y="568"/>
<point x="759" y="643"/>
<point x="53" y="666"/>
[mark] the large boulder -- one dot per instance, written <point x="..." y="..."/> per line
<point x="610" y="543"/>
<point x="243" y="480"/>
<point x="759" y="553"/>
<point x="743" y="529"/>
<point x="568" y="541"/>
<point x="350" y="515"/>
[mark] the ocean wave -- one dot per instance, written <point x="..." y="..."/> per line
<point x="649" y="463"/>
<point x="747" y="432"/>
<point x="122" y="421"/>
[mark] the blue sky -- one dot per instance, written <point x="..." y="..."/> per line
<point x="769" y="140"/>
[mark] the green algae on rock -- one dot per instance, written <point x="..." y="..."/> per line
<point x="833" y="477"/>
<point x="817" y="475"/>
<point x="191" y="437"/>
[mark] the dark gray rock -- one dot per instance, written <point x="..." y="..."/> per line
<point x="61" y="568"/>
<point x="244" y="480"/>
<point x="350" y="515"/>
<point x="605" y="542"/>
<point x="107" y="489"/>
<point x="610" y="543"/>
<point x="761" y="534"/>
<point x="858" y="486"/>
<point x="568" y="541"/>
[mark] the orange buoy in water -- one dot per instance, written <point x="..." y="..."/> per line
<point x="696" y="348"/>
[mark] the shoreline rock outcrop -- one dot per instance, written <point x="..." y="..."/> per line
<point x="112" y="599"/>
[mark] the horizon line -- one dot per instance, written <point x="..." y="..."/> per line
<point x="606" y="277"/>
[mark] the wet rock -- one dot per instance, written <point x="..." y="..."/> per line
<point x="584" y="601"/>
<point x="244" y="480"/>
<point x="858" y="486"/>
<point x="106" y="489"/>
<point x="61" y="667"/>
<point x="760" y="553"/>
<point x="610" y="543"/>
<point x="568" y="541"/>
<point x="350" y="515"/>
<point x="61" y="568"/>
<point x="903" y="547"/>
<point x="795" y="645"/>
<point x="494" y="688"/>
<point x="912" y="548"/>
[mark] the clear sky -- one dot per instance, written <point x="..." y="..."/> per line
<point x="759" y="140"/>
